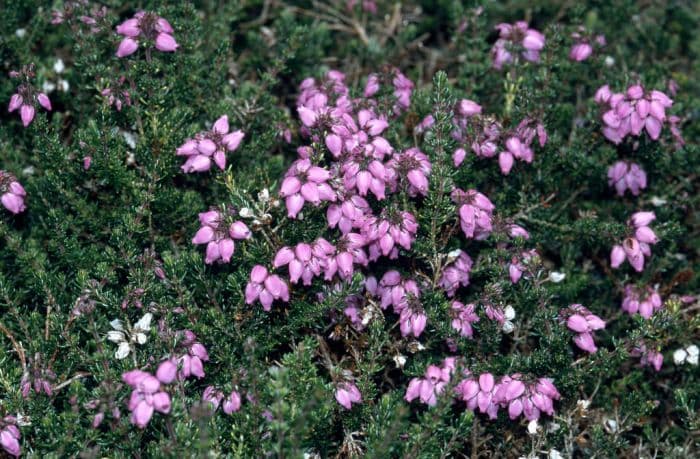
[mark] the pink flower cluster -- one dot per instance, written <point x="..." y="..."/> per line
<point x="147" y="396"/>
<point x="192" y="360"/>
<point x="210" y="145"/>
<point x="434" y="383"/>
<point x="636" y="246"/>
<point x="348" y="161"/>
<point x="583" y="44"/>
<point x="26" y="96"/>
<point x="520" y="264"/>
<point x="521" y="398"/>
<point x="145" y="26"/>
<point x="38" y="378"/>
<point x="117" y="95"/>
<point x="215" y="397"/>
<point x="9" y="436"/>
<point x="624" y="176"/>
<point x="456" y="272"/>
<point x="409" y="170"/>
<point x="584" y="322"/>
<point x="632" y="112"/>
<point x="304" y="182"/>
<point x="463" y="316"/>
<point x="351" y="130"/>
<point x="404" y="297"/>
<point x="12" y="194"/>
<point x="483" y="134"/>
<point x="384" y="234"/>
<point x="219" y="236"/>
<point x="265" y="287"/>
<point x="514" y="39"/>
<point x="644" y="301"/>
<point x="305" y="261"/>
<point x="648" y="357"/>
<point x="484" y="393"/>
<point x="347" y="393"/>
<point x="475" y="213"/>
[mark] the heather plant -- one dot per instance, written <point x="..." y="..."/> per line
<point x="269" y="228"/>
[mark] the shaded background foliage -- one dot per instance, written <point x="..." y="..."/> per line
<point x="100" y="233"/>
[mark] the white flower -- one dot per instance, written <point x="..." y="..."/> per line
<point x="692" y="351"/>
<point x="508" y="327"/>
<point x="609" y="61"/>
<point x="400" y="360"/>
<point x="63" y="85"/>
<point x="246" y="213"/>
<point x="509" y="315"/>
<point x="553" y="427"/>
<point x="23" y="420"/>
<point x="679" y="356"/>
<point x="611" y="425"/>
<point x="452" y="256"/>
<point x="556" y="277"/>
<point x="129" y="138"/>
<point x="532" y="427"/>
<point x="583" y="404"/>
<point x="657" y="201"/>
<point x="48" y="86"/>
<point x="554" y="454"/>
<point x="20" y="33"/>
<point x="59" y="66"/>
<point x="127" y="339"/>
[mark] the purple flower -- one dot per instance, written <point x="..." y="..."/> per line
<point x="649" y="357"/>
<point x="305" y="182"/>
<point x="456" y="273"/>
<point x="167" y="371"/>
<point x="412" y="319"/>
<point x="214" y="396"/>
<point x="146" y="397"/>
<point x="624" y="175"/>
<point x="145" y="26"/>
<point x="27" y="97"/>
<point x="428" y="388"/>
<point x="210" y="145"/>
<point x="644" y="301"/>
<point x="265" y="287"/>
<point x="9" y="436"/>
<point x="583" y="322"/>
<point x="580" y="52"/>
<point x="632" y="112"/>
<point x="516" y="38"/>
<point x="232" y="403"/>
<point x="12" y="194"/>
<point x="387" y="232"/>
<point x="394" y="291"/>
<point x="192" y="362"/>
<point x="637" y="245"/>
<point x="346" y="394"/>
<point x="463" y="316"/>
<point x="218" y="237"/>
<point x="410" y="169"/>
<point x="303" y="261"/>
<point x="475" y="213"/>
<point x="519" y="265"/>
<point x="349" y="214"/>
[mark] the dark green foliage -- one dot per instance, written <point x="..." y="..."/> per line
<point x="96" y="236"/>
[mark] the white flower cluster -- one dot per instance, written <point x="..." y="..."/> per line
<point x="687" y="355"/>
